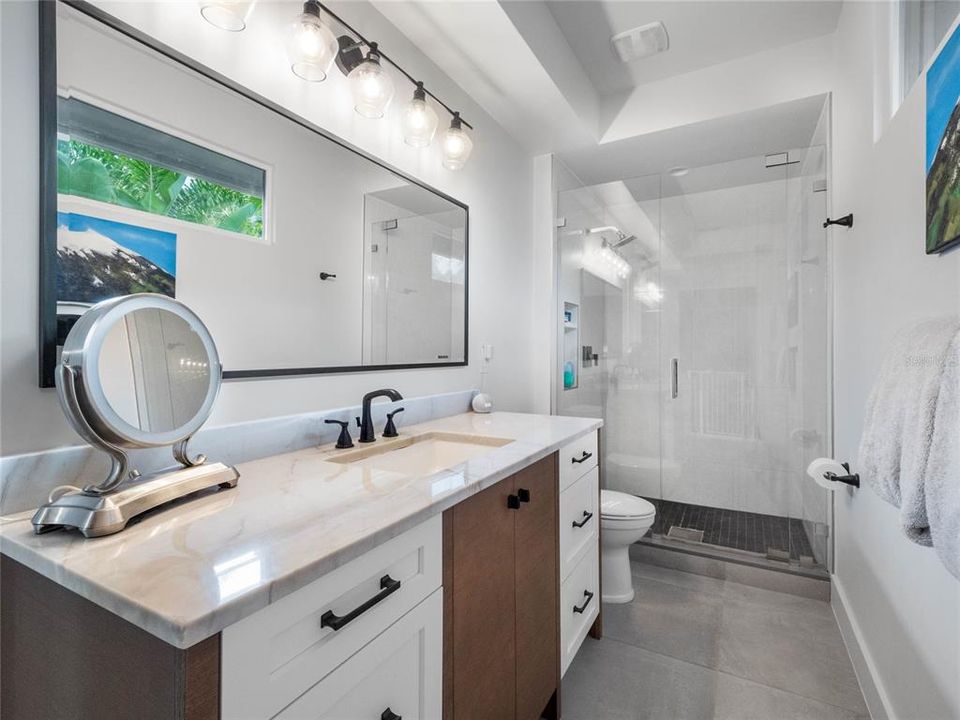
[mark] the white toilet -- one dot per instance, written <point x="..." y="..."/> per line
<point x="623" y="520"/>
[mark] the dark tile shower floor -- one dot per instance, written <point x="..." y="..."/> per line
<point x="751" y="532"/>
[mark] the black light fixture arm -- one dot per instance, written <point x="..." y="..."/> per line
<point x="361" y="40"/>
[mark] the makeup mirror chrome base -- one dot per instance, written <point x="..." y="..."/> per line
<point x="168" y="356"/>
<point x="95" y="515"/>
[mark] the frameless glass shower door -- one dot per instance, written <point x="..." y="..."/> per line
<point x="693" y="319"/>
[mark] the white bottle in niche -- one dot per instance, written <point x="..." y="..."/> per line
<point x="482" y="402"/>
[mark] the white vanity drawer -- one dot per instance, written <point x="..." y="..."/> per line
<point x="271" y="657"/>
<point x="579" y="592"/>
<point x="579" y="520"/>
<point x="577" y="458"/>
<point x="399" y="672"/>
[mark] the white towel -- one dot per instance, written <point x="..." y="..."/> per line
<point x="943" y="465"/>
<point x="906" y="452"/>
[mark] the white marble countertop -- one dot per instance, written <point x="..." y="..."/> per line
<point x="188" y="572"/>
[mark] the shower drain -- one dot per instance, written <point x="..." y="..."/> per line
<point x="686" y="534"/>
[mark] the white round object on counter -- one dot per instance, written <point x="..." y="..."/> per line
<point x="482" y="403"/>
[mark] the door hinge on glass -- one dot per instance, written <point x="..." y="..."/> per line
<point x="560" y="222"/>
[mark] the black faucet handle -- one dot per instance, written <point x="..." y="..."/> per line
<point x="390" y="430"/>
<point x="344" y="441"/>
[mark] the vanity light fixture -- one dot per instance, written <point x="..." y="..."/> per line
<point x="311" y="45"/>
<point x="419" y="120"/>
<point x="371" y="86"/>
<point x="457" y="145"/>
<point x="229" y="15"/>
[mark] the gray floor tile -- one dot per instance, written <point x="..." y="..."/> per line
<point x="785" y="642"/>
<point x="739" y="699"/>
<point x="669" y="619"/>
<point x="788" y="650"/>
<point x="732" y="590"/>
<point x="610" y="680"/>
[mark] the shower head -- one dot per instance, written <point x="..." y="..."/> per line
<point x="624" y="239"/>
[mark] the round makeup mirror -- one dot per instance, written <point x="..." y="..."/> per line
<point x="136" y="372"/>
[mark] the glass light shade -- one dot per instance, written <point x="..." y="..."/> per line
<point x="227" y="14"/>
<point x="372" y="88"/>
<point x="457" y="146"/>
<point x="419" y="123"/>
<point x="311" y="47"/>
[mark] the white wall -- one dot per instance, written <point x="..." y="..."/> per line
<point x="496" y="185"/>
<point x="903" y="601"/>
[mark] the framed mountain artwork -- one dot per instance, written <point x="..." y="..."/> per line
<point x="943" y="147"/>
<point x="99" y="259"/>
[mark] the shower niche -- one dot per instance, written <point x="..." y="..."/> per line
<point x="569" y="365"/>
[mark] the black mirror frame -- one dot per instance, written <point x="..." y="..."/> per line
<point x="47" y="324"/>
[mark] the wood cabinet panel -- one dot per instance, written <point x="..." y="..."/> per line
<point x="537" y="581"/>
<point x="483" y="606"/>
<point x="65" y="657"/>
<point x="501" y="585"/>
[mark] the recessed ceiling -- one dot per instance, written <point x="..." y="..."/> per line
<point x="751" y="134"/>
<point x="701" y="32"/>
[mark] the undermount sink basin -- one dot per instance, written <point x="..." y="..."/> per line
<point x="419" y="454"/>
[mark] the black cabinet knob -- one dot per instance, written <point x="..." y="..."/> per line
<point x="523" y="494"/>
<point x="513" y="502"/>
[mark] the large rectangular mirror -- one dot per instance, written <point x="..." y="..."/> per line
<point x="301" y="254"/>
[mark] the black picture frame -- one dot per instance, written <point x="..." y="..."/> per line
<point x="48" y="194"/>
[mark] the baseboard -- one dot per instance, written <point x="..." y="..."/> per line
<point x="878" y="703"/>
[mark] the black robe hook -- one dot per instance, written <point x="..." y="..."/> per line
<point x="846" y="221"/>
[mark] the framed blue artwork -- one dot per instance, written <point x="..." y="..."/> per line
<point x="943" y="147"/>
<point x="99" y="259"/>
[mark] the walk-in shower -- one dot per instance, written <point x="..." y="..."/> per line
<point x="693" y="317"/>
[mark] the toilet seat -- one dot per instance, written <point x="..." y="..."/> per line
<point x="619" y="506"/>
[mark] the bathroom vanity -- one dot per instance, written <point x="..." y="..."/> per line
<point x="450" y="572"/>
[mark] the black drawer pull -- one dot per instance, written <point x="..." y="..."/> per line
<point x="589" y="596"/>
<point x="523" y="494"/>
<point x="513" y="502"/>
<point x="389" y="714"/>
<point x="583" y="458"/>
<point x="388" y="586"/>
<point x="586" y="519"/>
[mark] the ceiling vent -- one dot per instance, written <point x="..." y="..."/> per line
<point x="640" y="42"/>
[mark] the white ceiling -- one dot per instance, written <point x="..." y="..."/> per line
<point x="544" y="70"/>
<point x="702" y="33"/>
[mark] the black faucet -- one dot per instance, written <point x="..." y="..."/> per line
<point x="366" y="423"/>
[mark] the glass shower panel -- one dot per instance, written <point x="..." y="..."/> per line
<point x="808" y="320"/>
<point x="609" y="323"/>
<point x="727" y="470"/>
